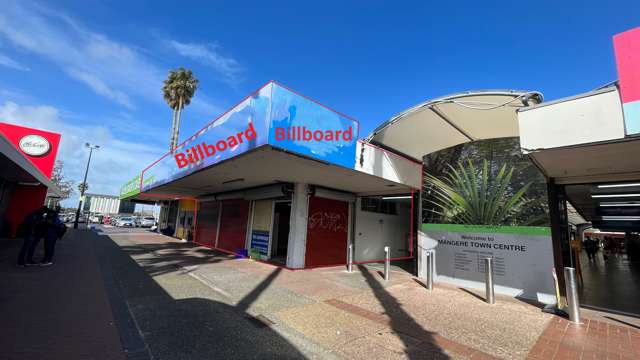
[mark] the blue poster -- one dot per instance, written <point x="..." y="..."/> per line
<point x="260" y="242"/>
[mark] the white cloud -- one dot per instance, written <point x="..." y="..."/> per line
<point x="209" y="54"/>
<point x="109" y="68"/>
<point x="100" y="87"/>
<point x="116" y="162"/>
<point x="114" y="70"/>
<point x="204" y="105"/>
<point x="10" y="63"/>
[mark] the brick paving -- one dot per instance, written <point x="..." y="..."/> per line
<point x="459" y="337"/>
<point x="321" y="313"/>
<point x="358" y="315"/>
<point x="428" y="342"/>
<point x="590" y="340"/>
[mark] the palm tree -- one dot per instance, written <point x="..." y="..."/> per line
<point x="471" y="196"/>
<point x="83" y="187"/>
<point x="179" y="87"/>
<point x="169" y="95"/>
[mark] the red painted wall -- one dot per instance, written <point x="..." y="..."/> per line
<point x="24" y="200"/>
<point x="233" y="225"/>
<point x="327" y="231"/>
<point x="45" y="162"/>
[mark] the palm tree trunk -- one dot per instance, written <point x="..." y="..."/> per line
<point x="173" y="131"/>
<point x="179" y="115"/>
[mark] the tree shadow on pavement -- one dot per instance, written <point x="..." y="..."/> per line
<point x="419" y="343"/>
<point x="183" y="324"/>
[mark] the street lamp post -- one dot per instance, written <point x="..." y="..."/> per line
<point x="84" y="182"/>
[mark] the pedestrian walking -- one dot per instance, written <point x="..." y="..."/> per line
<point x="591" y="247"/>
<point x="32" y="229"/>
<point x="55" y="229"/>
<point x="607" y="246"/>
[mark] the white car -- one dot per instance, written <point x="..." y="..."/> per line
<point x="125" y="221"/>
<point x="147" y="221"/>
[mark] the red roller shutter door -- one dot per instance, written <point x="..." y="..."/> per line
<point x="233" y="225"/>
<point x="207" y="223"/>
<point x="327" y="232"/>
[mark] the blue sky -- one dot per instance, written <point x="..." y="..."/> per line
<point x="92" y="70"/>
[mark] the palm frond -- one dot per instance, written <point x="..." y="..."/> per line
<point x="470" y="195"/>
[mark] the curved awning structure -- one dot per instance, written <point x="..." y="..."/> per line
<point x="451" y="120"/>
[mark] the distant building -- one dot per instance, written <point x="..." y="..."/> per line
<point x="106" y="204"/>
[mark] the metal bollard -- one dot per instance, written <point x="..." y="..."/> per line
<point x="350" y="258"/>
<point x="387" y="262"/>
<point x="429" y="271"/>
<point x="573" y="305"/>
<point x="488" y="279"/>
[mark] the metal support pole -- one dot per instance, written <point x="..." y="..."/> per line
<point x="429" y="271"/>
<point x="488" y="276"/>
<point x="387" y="262"/>
<point x="350" y="258"/>
<point x="84" y="186"/>
<point x="573" y="306"/>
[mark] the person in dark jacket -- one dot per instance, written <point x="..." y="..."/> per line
<point x="54" y="230"/>
<point x="591" y="247"/>
<point x="32" y="229"/>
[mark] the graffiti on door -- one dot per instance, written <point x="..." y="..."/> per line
<point x="329" y="221"/>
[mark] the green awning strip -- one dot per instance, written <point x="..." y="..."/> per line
<point x="524" y="230"/>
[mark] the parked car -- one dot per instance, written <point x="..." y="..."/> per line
<point x="114" y="220"/>
<point x="125" y="221"/>
<point x="147" y="221"/>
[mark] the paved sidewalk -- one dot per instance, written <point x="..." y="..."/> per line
<point x="139" y="295"/>
<point x="56" y="312"/>
<point x="359" y="316"/>
<point x="354" y="315"/>
<point x="590" y="340"/>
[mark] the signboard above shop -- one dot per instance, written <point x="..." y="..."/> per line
<point x="275" y="116"/>
<point x="39" y="146"/>
<point x="627" y="50"/>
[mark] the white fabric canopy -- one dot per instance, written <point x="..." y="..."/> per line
<point x="451" y="120"/>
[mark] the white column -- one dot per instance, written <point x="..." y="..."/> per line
<point x="298" y="227"/>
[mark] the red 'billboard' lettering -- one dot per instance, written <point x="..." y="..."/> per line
<point x="201" y="151"/>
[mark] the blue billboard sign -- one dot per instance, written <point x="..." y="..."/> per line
<point x="273" y="115"/>
<point x="303" y="126"/>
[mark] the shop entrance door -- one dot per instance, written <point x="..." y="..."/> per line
<point x="606" y="254"/>
<point x="233" y="225"/>
<point x="327" y="232"/>
<point x="280" y="239"/>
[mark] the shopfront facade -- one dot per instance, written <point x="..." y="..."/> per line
<point x="27" y="158"/>
<point x="284" y="179"/>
